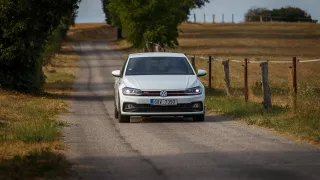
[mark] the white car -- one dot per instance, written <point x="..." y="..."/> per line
<point x="158" y="84"/>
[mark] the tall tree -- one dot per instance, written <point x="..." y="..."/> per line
<point x="254" y="14"/>
<point x="105" y="10"/>
<point x="291" y="14"/>
<point x="112" y="18"/>
<point x="26" y="27"/>
<point x="155" y="20"/>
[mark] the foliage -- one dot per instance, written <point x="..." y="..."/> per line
<point x="27" y="27"/>
<point x="291" y="14"/>
<point x="254" y="14"/>
<point x="287" y="14"/>
<point x="105" y="10"/>
<point x="146" y="21"/>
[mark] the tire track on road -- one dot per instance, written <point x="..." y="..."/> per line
<point x="112" y="122"/>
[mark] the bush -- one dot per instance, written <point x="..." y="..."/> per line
<point x="287" y="14"/>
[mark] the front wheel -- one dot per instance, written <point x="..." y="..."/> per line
<point x="116" y="112"/>
<point x="124" y="119"/>
<point x="199" y="118"/>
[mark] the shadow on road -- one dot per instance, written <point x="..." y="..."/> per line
<point x="35" y="165"/>
<point x="208" y="119"/>
<point x="251" y="165"/>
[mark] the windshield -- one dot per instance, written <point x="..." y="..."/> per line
<point x="159" y="66"/>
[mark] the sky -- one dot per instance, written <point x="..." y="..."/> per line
<point x="91" y="10"/>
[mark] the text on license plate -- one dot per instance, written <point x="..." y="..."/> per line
<point x="164" y="102"/>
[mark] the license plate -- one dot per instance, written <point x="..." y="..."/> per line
<point x="164" y="102"/>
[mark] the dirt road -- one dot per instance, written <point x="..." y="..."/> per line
<point x="100" y="148"/>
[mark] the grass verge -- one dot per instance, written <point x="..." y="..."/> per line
<point x="29" y="130"/>
<point x="35" y="165"/>
<point x="279" y="118"/>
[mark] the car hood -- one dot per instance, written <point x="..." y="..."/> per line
<point x="161" y="82"/>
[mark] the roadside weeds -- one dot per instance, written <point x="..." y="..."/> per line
<point x="30" y="135"/>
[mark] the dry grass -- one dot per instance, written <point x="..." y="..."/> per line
<point x="261" y="42"/>
<point x="273" y="41"/>
<point x="20" y="110"/>
<point x="87" y="31"/>
<point x="258" y="42"/>
<point x="28" y="123"/>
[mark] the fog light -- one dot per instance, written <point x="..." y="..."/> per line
<point x="196" y="105"/>
<point x="131" y="106"/>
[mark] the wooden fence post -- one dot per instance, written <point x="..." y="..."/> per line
<point x="294" y="87"/>
<point x="223" y="18"/>
<point x="265" y="86"/>
<point x="227" y="76"/>
<point x="246" y="89"/>
<point x="232" y="18"/>
<point x="204" y="18"/>
<point x="157" y="49"/>
<point x="213" y="18"/>
<point x="195" y="18"/>
<point x="149" y="47"/>
<point x="193" y="62"/>
<point x="210" y="72"/>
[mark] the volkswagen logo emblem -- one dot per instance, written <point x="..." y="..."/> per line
<point x="163" y="93"/>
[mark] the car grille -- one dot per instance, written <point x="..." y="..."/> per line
<point x="169" y="93"/>
<point x="150" y="108"/>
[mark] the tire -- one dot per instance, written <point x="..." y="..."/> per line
<point x="122" y="118"/>
<point x="116" y="112"/>
<point x="199" y="118"/>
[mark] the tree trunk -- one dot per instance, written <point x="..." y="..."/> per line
<point x="119" y="33"/>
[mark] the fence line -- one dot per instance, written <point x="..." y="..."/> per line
<point x="245" y="62"/>
<point x="305" y="61"/>
<point x="230" y="18"/>
<point x="254" y="62"/>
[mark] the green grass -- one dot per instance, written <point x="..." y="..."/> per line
<point x="279" y="118"/>
<point x="35" y="132"/>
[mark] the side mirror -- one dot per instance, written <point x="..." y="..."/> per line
<point x="201" y="72"/>
<point x="116" y="73"/>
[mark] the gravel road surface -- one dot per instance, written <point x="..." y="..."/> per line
<point x="163" y="148"/>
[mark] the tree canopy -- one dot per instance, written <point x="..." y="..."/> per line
<point x="285" y="14"/>
<point x="26" y="28"/>
<point x="150" y="20"/>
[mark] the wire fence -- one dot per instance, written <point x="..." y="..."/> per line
<point x="232" y="18"/>
<point x="252" y="78"/>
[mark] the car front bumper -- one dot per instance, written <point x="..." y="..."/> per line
<point x="140" y="106"/>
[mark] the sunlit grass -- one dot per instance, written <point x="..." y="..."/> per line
<point x="28" y="124"/>
<point x="302" y="126"/>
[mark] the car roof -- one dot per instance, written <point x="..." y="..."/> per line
<point x="156" y="54"/>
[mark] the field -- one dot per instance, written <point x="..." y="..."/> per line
<point x="261" y="42"/>
<point x="257" y="42"/>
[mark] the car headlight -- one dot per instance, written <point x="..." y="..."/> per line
<point x="131" y="91"/>
<point x="194" y="91"/>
